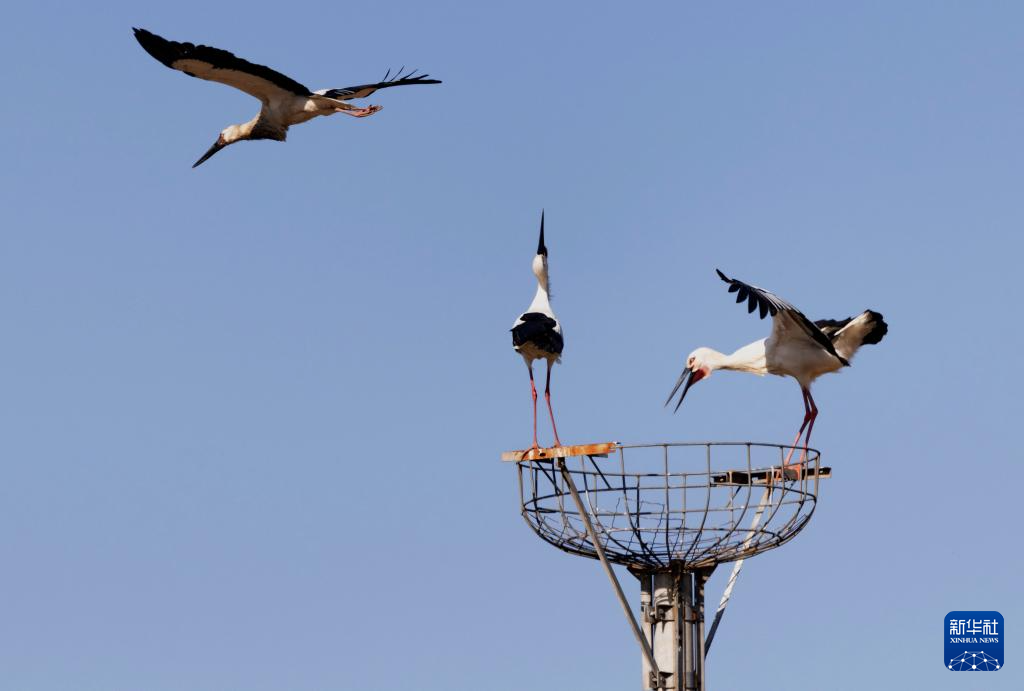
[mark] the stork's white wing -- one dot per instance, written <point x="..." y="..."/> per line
<point x="216" y="65"/>
<point x="784" y="315"/>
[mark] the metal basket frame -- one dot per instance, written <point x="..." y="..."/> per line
<point x="650" y="514"/>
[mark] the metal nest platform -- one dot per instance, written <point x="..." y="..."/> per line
<point x="656" y="506"/>
<point x="670" y="513"/>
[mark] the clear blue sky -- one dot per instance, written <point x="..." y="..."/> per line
<point x="252" y="412"/>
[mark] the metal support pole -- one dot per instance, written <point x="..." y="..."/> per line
<point x="685" y="580"/>
<point x="701" y="579"/>
<point x="665" y="628"/>
<point x="648" y="617"/>
<point x="585" y="517"/>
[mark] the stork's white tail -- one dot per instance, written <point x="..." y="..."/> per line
<point x="849" y="334"/>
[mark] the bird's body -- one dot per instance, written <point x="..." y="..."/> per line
<point x="537" y="336"/>
<point x="285" y="101"/>
<point x="796" y="347"/>
<point x="537" y="333"/>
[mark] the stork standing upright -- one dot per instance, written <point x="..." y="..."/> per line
<point x="286" y="102"/>
<point x="797" y="348"/>
<point x="537" y="335"/>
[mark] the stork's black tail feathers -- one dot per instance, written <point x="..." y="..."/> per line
<point x="878" y="328"/>
<point x="848" y="335"/>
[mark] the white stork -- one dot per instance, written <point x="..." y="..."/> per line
<point x="537" y="335"/>
<point x="796" y="347"/>
<point x="285" y="101"/>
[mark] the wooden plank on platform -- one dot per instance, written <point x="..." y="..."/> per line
<point x="553" y="452"/>
<point x="760" y="477"/>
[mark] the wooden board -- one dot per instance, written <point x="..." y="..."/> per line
<point x="553" y="452"/>
<point x="760" y="477"/>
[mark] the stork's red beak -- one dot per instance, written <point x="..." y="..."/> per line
<point x="217" y="146"/>
<point x="691" y="377"/>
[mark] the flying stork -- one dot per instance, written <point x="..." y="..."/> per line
<point x="797" y="348"/>
<point x="537" y="335"/>
<point x="285" y="101"/>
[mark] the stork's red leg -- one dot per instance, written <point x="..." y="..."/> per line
<point x="359" y="112"/>
<point x="547" y="397"/>
<point x="810" y="427"/>
<point x="808" y="420"/>
<point x="533" y="392"/>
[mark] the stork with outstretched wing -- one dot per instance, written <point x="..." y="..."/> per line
<point x="285" y="101"/>
<point x="797" y="347"/>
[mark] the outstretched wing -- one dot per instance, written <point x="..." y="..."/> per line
<point x="364" y="90"/>
<point x="769" y="303"/>
<point x="216" y="65"/>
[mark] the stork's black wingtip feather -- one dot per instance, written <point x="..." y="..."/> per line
<point x="723" y="276"/>
<point x="421" y="79"/>
<point x="159" y="48"/>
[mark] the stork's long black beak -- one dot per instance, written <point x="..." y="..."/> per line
<point x="541" y="249"/>
<point x="689" y="376"/>
<point x="217" y="146"/>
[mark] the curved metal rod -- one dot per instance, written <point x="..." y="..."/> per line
<point x="734" y="523"/>
<point x="627" y="514"/>
<point x="593" y="509"/>
<point x="707" y="503"/>
<point x="782" y="501"/>
<point x="625" y="497"/>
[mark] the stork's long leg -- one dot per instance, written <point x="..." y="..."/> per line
<point x="547" y="397"/>
<point x="533" y="392"/>
<point x="810" y="427"/>
<point x="357" y="112"/>
<point x="808" y="420"/>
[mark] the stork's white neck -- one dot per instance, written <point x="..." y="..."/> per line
<point x="542" y="300"/>
<point x="234" y="133"/>
<point x="749" y="358"/>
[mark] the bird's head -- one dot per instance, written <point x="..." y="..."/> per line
<point x="699" y="365"/>
<point x="228" y="135"/>
<point x="540" y="262"/>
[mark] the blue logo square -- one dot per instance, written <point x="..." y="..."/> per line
<point x="974" y="641"/>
